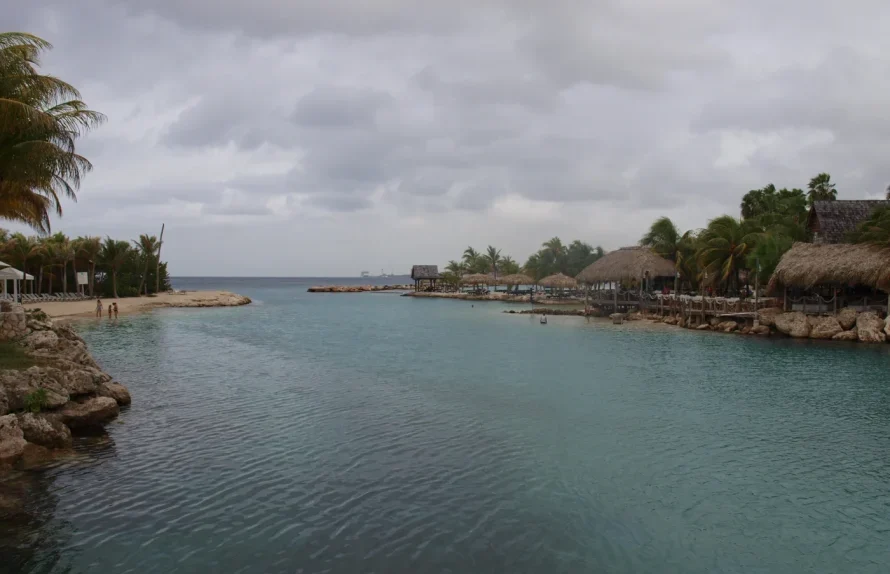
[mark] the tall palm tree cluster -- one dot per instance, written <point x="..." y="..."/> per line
<point x="114" y="267"/>
<point x="553" y="257"/>
<point x="730" y="248"/>
<point x="41" y="118"/>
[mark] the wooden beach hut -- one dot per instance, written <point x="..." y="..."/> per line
<point x="425" y="277"/>
<point x="625" y="265"/>
<point x="830" y="276"/>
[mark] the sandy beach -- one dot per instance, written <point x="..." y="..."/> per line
<point x="131" y="305"/>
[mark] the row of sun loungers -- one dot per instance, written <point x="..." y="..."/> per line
<point x="47" y="298"/>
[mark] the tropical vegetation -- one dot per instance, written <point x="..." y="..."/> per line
<point x="41" y="118"/>
<point x="114" y="268"/>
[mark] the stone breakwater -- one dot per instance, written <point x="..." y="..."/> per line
<point x="357" y="288"/>
<point x="64" y="392"/>
<point x="847" y="325"/>
<point x="221" y="299"/>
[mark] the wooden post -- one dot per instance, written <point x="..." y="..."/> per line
<point x="158" y="270"/>
<point x="586" y="300"/>
<point x="615" y="287"/>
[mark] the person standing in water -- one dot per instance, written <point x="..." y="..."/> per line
<point x="98" y="307"/>
<point x="115" y="309"/>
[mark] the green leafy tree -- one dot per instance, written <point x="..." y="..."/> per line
<point x="820" y="188"/>
<point x="41" y="118"/>
<point x="22" y="250"/>
<point x="663" y="238"/>
<point x="875" y="230"/>
<point x="508" y="266"/>
<point x="89" y="249"/>
<point x="147" y="247"/>
<point x="473" y="261"/>
<point x="492" y="258"/>
<point x="724" y="246"/>
<point x="113" y="256"/>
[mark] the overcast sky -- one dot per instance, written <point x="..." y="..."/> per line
<point x="307" y="138"/>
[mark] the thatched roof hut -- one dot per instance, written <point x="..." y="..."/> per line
<point x="559" y="281"/>
<point x="627" y="264"/>
<point x="832" y="221"/>
<point x="478" y="279"/>
<point x="517" y="279"/>
<point x="425" y="272"/>
<point x="808" y="264"/>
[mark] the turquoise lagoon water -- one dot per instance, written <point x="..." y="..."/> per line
<point x="351" y="433"/>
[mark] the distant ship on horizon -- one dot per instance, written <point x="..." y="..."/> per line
<point x="366" y="273"/>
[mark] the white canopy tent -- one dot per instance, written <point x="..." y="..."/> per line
<point x="8" y="273"/>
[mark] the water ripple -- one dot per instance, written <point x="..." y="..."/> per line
<point x="376" y="434"/>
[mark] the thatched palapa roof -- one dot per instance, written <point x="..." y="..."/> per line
<point x="809" y="264"/>
<point x="559" y="280"/>
<point x="425" y="272"/>
<point x="477" y="279"/>
<point x="517" y="279"/>
<point x="832" y="221"/>
<point x="626" y="264"/>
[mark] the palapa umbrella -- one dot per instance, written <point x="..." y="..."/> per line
<point x="517" y="279"/>
<point x="559" y="281"/>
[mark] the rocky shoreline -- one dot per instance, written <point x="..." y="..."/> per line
<point x="357" y="288"/>
<point x="62" y="394"/>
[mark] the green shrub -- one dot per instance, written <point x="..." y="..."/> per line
<point x="35" y="401"/>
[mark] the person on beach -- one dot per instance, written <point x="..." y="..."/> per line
<point x="98" y="307"/>
<point x="115" y="309"/>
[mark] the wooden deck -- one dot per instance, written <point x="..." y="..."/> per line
<point x="683" y="305"/>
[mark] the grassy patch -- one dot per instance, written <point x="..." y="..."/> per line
<point x="13" y="356"/>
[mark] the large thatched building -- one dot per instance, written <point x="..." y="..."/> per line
<point x="627" y="264"/>
<point x="830" y="276"/>
<point x="833" y="221"/>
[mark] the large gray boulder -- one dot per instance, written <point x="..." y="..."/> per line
<point x="116" y="391"/>
<point x="768" y="316"/>
<point x="825" y="328"/>
<point x="19" y="384"/>
<point x="91" y="413"/>
<point x="794" y="324"/>
<point x="851" y="335"/>
<point x="847" y="317"/>
<point x="12" y="442"/>
<point x="870" y="327"/>
<point x="44" y="430"/>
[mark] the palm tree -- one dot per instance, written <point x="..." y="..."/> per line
<point x="65" y="252"/>
<point x="492" y="257"/>
<point x="148" y="248"/>
<point x="820" y="188"/>
<point x="471" y="259"/>
<point x="724" y="246"/>
<point x="41" y="117"/>
<point x="113" y="255"/>
<point x="663" y="238"/>
<point x="23" y="248"/>
<point x="888" y="192"/>
<point x="456" y="268"/>
<point x="874" y="230"/>
<point x="89" y="249"/>
<point x="508" y="266"/>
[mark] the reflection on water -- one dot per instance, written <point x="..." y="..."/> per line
<point x="363" y="433"/>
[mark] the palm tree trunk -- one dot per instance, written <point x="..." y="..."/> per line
<point x="64" y="276"/>
<point x="49" y="278"/>
<point x="114" y="282"/>
<point x="92" y="276"/>
<point x="143" y="282"/>
<point x="158" y="272"/>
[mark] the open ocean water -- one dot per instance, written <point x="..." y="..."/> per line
<point x="359" y="433"/>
